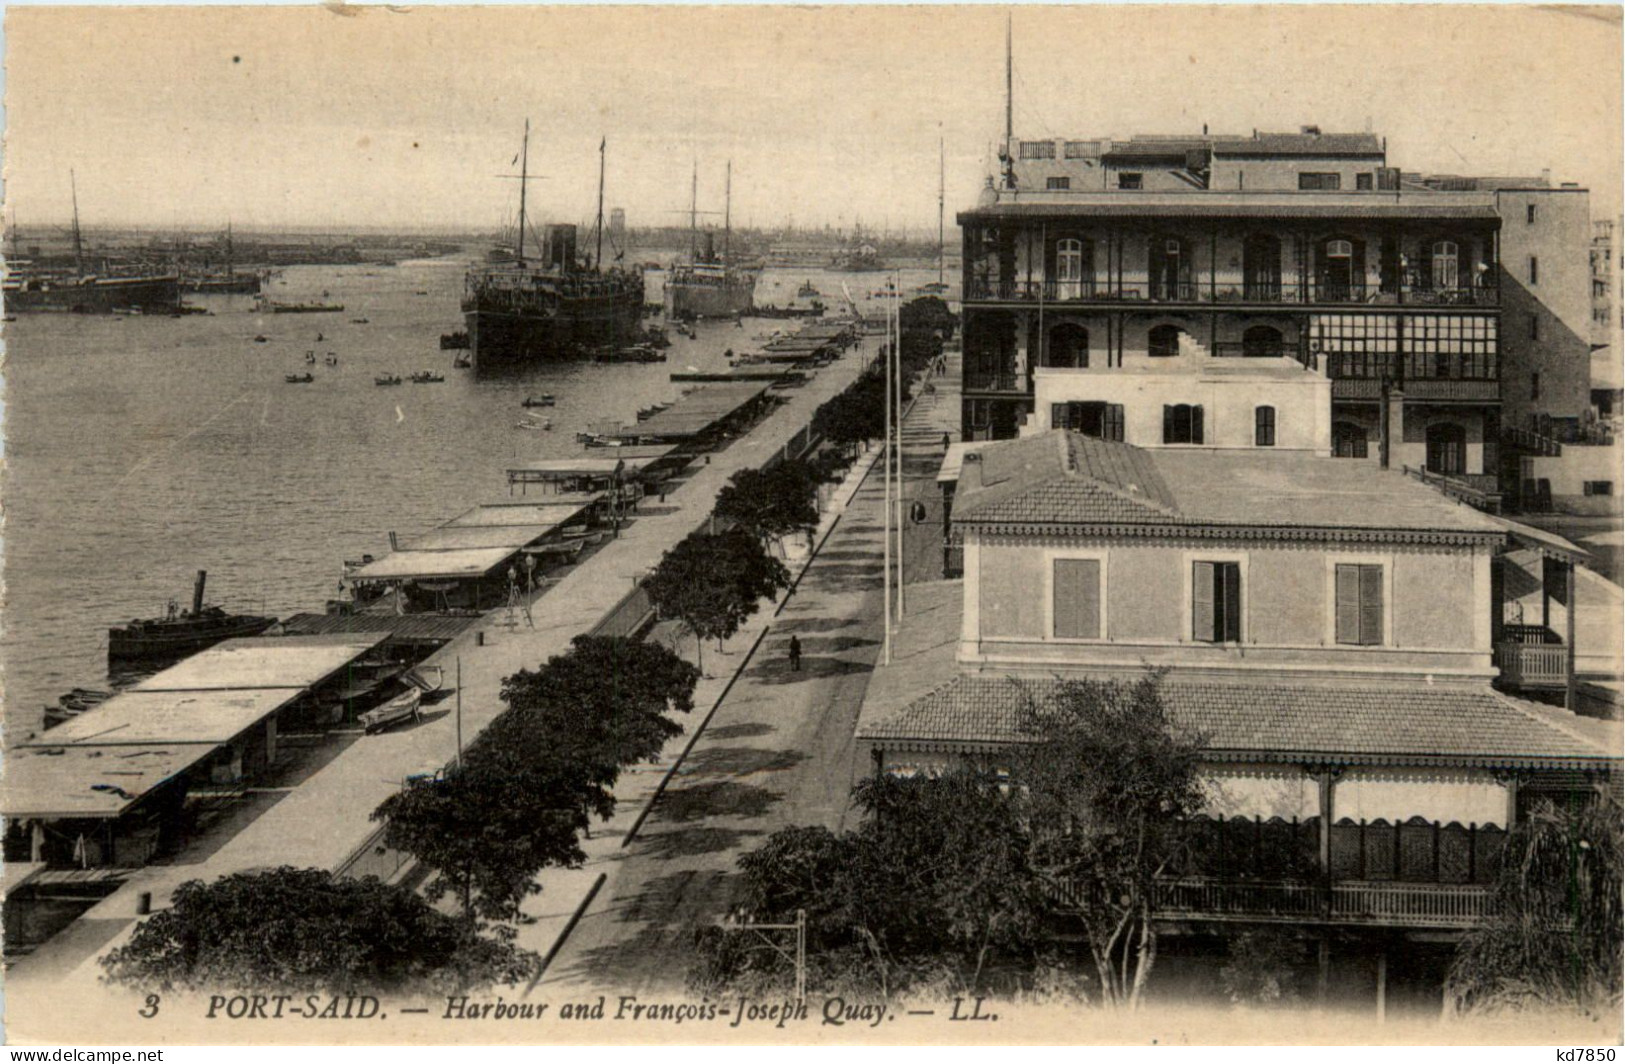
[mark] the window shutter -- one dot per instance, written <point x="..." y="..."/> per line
<point x="1077" y="598"/>
<point x="1229" y="593"/>
<point x="1114" y="422"/>
<point x="1167" y="423"/>
<point x="1058" y="416"/>
<point x="1196" y="423"/>
<point x="1202" y="601"/>
<point x="1371" y="605"/>
<point x="1348" y="604"/>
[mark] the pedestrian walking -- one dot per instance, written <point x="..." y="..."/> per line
<point x="945" y="442"/>
<point x="795" y="654"/>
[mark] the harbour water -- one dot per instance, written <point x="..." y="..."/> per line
<point x="140" y="450"/>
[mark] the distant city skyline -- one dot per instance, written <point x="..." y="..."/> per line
<point x="378" y="117"/>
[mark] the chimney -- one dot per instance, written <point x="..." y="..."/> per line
<point x="392" y="542"/>
<point x="1309" y="131"/>
<point x="1546" y="176"/>
<point x="1204" y="129"/>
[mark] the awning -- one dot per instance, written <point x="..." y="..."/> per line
<point x="141" y="718"/>
<point x="266" y="661"/>
<point x="100" y="782"/>
<point x="1547" y="544"/>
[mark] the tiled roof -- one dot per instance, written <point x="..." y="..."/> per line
<point x="1063" y="478"/>
<point x="1066" y="473"/>
<point x="1300" y="144"/>
<point x="1210" y="204"/>
<point x="1376" y="724"/>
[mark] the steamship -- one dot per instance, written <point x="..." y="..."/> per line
<point x="521" y="310"/>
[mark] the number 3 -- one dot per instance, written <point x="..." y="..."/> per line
<point x="151" y="1008"/>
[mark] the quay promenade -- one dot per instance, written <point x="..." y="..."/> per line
<point x="323" y="821"/>
<point x="777" y="751"/>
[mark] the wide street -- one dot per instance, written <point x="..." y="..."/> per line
<point x="778" y="751"/>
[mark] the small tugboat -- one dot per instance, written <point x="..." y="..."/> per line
<point x="454" y="341"/>
<point x="428" y="376"/>
<point x="304" y="308"/>
<point x="332" y="359"/>
<point x="260" y="339"/>
<point x="181" y="633"/>
<point x="461" y="362"/>
<point x="808" y="290"/>
<point x="310" y="358"/>
<point x="386" y="379"/>
<point x="539" y="400"/>
<point x="639" y="353"/>
<point x="358" y="321"/>
<point x="296" y="378"/>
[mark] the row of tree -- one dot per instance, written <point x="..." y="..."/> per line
<point x="525" y="791"/>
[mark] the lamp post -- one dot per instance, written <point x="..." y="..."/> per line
<point x="886" y="507"/>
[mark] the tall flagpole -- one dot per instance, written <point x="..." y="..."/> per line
<point x="897" y="330"/>
<point x="885" y="509"/>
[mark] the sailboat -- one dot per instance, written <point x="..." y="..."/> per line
<point x="708" y="285"/>
<point x="83" y="292"/>
<point x="522" y="310"/>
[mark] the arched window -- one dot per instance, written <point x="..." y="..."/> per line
<point x="1182" y="423"/>
<point x="1447" y="449"/>
<point x="1068" y="347"/>
<point x="1264" y="426"/>
<point x="1348" y="440"/>
<point x="1261" y="268"/>
<point x="1163" y="341"/>
<point x="1069" y="268"/>
<point x="1446" y="265"/>
<point x="1261" y="341"/>
<point x="1170" y="269"/>
<point x="1342" y="271"/>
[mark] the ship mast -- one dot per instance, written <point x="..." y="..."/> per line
<point x="599" y="258"/>
<point x="78" y="244"/>
<point x="727" y="217"/>
<point x="694" y="211"/>
<point x="942" y="171"/>
<point x="524" y="173"/>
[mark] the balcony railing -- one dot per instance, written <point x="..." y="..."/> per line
<point x="1412" y="366"/>
<point x="982" y="381"/>
<point x="1212" y="291"/>
<point x="1442" y="905"/>
<point x="1531" y="664"/>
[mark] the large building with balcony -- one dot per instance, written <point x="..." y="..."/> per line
<point x="1333" y="630"/>
<point x="1285" y="291"/>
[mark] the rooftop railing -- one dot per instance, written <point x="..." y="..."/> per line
<point x="1146" y="290"/>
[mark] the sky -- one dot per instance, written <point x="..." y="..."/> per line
<point x="407" y="116"/>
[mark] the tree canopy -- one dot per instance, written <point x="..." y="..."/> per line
<point x="773" y="502"/>
<point x="713" y="583"/>
<point x="1554" y="938"/>
<point x="1107" y="782"/>
<point x="929" y="890"/>
<point x="487" y="830"/>
<point x="529" y="784"/>
<point x="304" y="929"/>
<point x="604" y="703"/>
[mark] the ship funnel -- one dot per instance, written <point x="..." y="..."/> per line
<point x="197" y="591"/>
